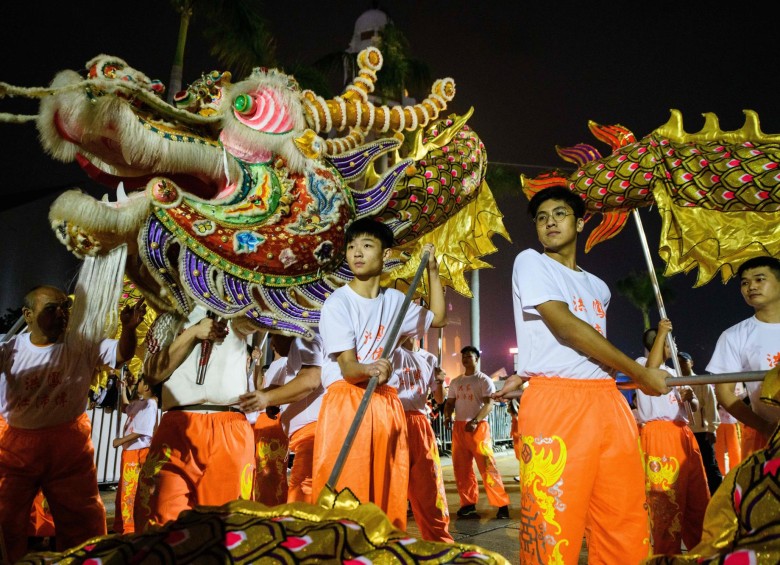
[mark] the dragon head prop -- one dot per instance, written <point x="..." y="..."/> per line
<point x="240" y="192"/>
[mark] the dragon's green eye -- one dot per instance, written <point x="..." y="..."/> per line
<point x="243" y="104"/>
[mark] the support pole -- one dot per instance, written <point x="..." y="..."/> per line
<point x="661" y="309"/>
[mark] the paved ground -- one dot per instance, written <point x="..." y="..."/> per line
<point x="501" y="536"/>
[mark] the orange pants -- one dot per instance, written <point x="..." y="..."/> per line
<point x="41" y="520"/>
<point x="727" y="441"/>
<point x="195" y="459"/>
<point x="60" y="461"/>
<point x="132" y="462"/>
<point x="302" y="445"/>
<point x="517" y="441"/>
<point x="676" y="485"/>
<point x="426" y="482"/>
<point x="752" y="441"/>
<point x="580" y="468"/>
<point x="270" y="461"/>
<point x="468" y="447"/>
<point x="377" y="467"/>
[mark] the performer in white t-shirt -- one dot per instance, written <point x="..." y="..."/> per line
<point x="47" y="445"/>
<point x="355" y="324"/>
<point x="577" y="431"/>
<point x="271" y="441"/>
<point x="414" y="377"/>
<point x="297" y="389"/>
<point x="752" y="345"/>
<point x="203" y="450"/>
<point x="469" y="397"/>
<point x="676" y="483"/>
<point x="136" y="438"/>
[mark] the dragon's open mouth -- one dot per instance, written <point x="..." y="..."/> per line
<point x="193" y="185"/>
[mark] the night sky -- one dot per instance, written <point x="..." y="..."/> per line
<point x="535" y="73"/>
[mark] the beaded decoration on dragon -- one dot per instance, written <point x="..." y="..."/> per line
<point x="239" y="201"/>
<point x="718" y="192"/>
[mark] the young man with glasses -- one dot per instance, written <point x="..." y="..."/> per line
<point x="580" y="459"/>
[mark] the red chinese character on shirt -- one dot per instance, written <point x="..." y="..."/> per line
<point x="578" y="305"/>
<point x="377" y="353"/>
<point x="773" y="360"/>
<point x="366" y="337"/>
<point x="55" y="379"/>
<point x="61" y="399"/>
<point x="33" y="383"/>
<point x="380" y="332"/>
<point x="599" y="308"/>
<point x="598" y="328"/>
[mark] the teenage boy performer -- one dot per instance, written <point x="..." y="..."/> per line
<point x="580" y="459"/>
<point x="354" y="326"/>
<point x="414" y="375"/>
<point x="752" y="345"/>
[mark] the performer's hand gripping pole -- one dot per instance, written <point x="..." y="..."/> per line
<point x="205" y="354"/>
<point x="372" y="382"/>
<point x="661" y="310"/>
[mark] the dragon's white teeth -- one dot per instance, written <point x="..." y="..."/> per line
<point x="105" y="198"/>
<point x="121" y="195"/>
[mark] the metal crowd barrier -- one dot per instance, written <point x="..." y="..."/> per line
<point x="107" y="424"/>
<point x="500" y="423"/>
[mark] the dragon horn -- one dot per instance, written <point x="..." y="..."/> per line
<point x="354" y="110"/>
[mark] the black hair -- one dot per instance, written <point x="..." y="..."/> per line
<point x="557" y="193"/>
<point x="762" y="261"/>
<point x="369" y="226"/>
<point x="470" y="349"/>
<point x="646" y="338"/>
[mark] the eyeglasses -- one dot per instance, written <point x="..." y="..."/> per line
<point x="558" y="215"/>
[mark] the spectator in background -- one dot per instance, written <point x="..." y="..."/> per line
<point x="469" y="397"/>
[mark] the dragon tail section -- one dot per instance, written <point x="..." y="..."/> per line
<point x="612" y="223"/>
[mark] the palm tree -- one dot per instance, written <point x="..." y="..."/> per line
<point x="637" y="287"/>
<point x="238" y="33"/>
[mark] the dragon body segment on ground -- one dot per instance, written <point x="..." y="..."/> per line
<point x="718" y="192"/>
<point x="239" y="200"/>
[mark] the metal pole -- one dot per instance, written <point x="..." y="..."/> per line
<point x="372" y="382"/>
<point x="18" y="326"/>
<point x="661" y="309"/>
<point x="750" y="376"/>
<point x="746" y="377"/>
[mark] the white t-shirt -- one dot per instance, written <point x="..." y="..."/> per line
<point x="469" y="392"/>
<point x="226" y="377"/>
<point x="666" y="407"/>
<point x="536" y="279"/>
<point x="413" y="377"/>
<point x="305" y="411"/>
<point x="276" y="371"/>
<point x="141" y="419"/>
<point x="750" y="345"/>
<point x="350" y="321"/>
<point x="47" y="386"/>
